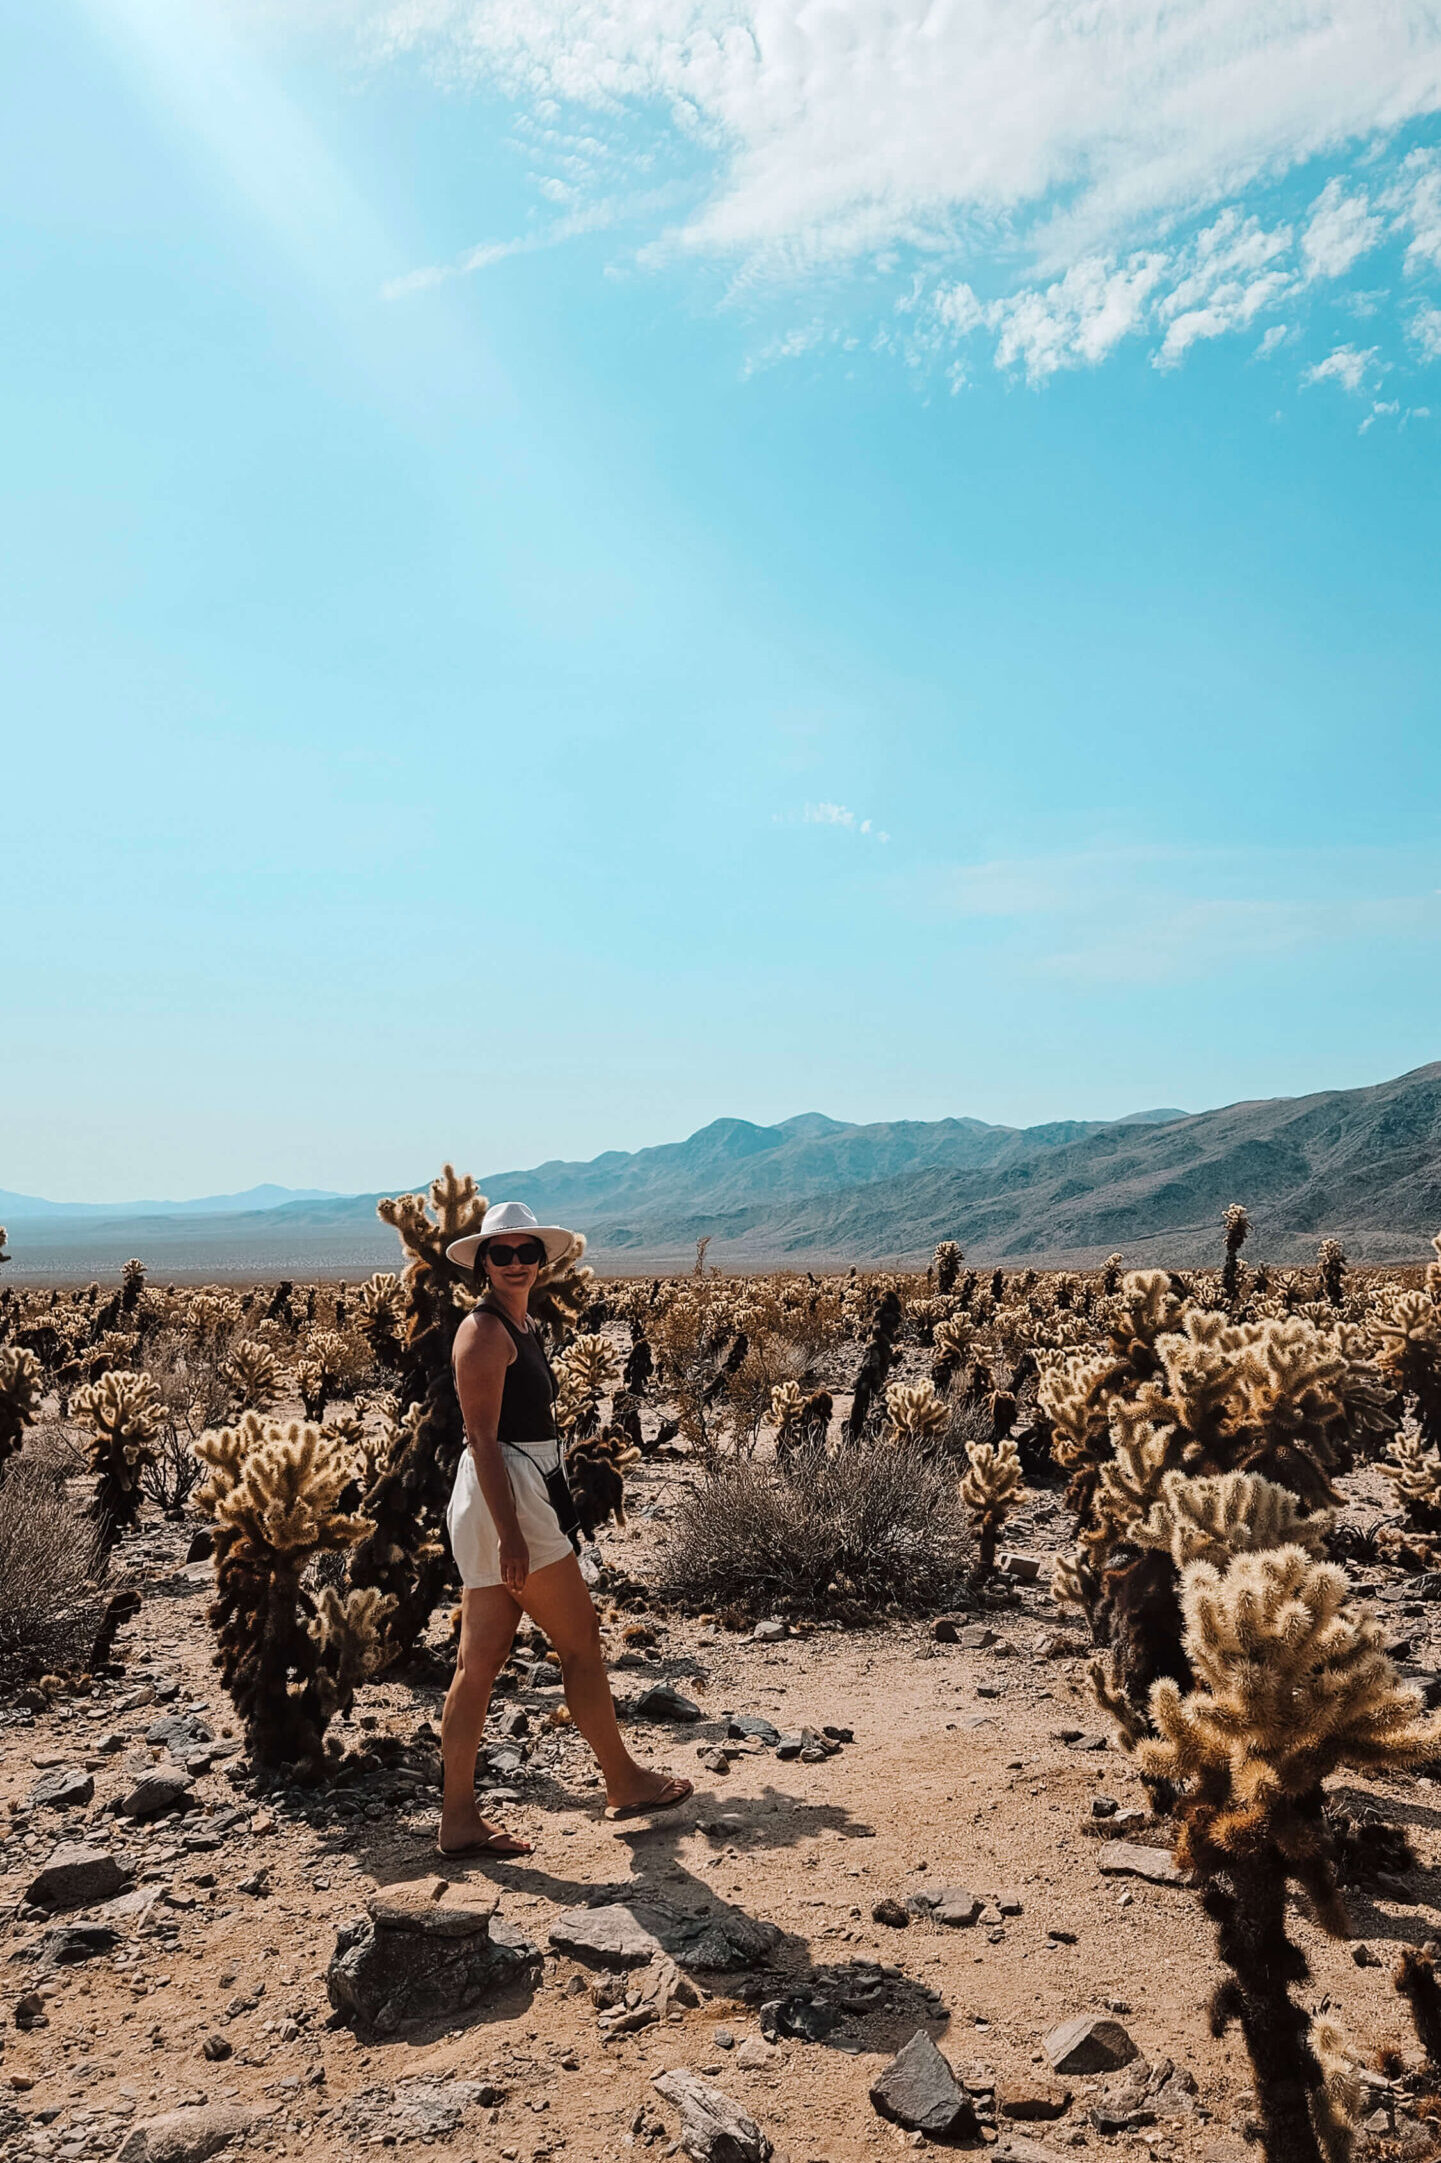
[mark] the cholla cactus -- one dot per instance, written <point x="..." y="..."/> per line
<point x="1409" y="1356"/>
<point x="879" y="1358"/>
<point x="914" y="1413"/>
<point x="319" y="1374"/>
<point x="132" y="1284"/>
<point x="587" y="1370"/>
<point x="951" y="1342"/>
<point x="253" y="1370"/>
<point x="990" y="1490"/>
<point x="404" y="1552"/>
<point x="1433" y="1269"/>
<point x="1331" y="1263"/>
<point x="1415" y="1472"/>
<point x="124" y="1413"/>
<point x="947" y="1262"/>
<point x="274" y="1497"/>
<point x="1238" y="1226"/>
<point x="19" y="1395"/>
<point x="1111" y="1274"/>
<point x="1291" y="1683"/>
<point x="380" y="1314"/>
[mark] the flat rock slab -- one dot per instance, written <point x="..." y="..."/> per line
<point x="612" y="1937"/>
<point x="1089" y="2044"/>
<point x="1128" y="1859"/>
<point x="186" y="2136"/>
<point x="1015" y="2148"/>
<point x="433" y="1907"/>
<point x="65" y="1790"/>
<point x="74" y="1877"/>
<point x="629" y="1937"/>
<point x="919" y="2091"/>
<point x="713" y="2129"/>
<point x="156" y="1793"/>
<point x="434" y="2108"/>
<point x="748" y="1724"/>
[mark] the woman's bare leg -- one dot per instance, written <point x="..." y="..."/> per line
<point x="556" y="1598"/>
<point x="488" y="1619"/>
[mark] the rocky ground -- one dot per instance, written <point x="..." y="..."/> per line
<point x="893" y="1836"/>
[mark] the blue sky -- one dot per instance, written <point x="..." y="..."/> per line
<point x="567" y="572"/>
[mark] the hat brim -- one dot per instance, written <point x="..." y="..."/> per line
<point x="556" y="1240"/>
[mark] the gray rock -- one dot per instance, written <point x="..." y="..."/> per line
<point x="952" y="1905"/>
<point x="1015" y="2148"/>
<point x="74" y="1942"/>
<point x="945" y="1630"/>
<point x="789" y="1747"/>
<point x="977" y="1637"/>
<point x="385" y="1977"/>
<point x="663" y="1702"/>
<point x="65" y="1790"/>
<point x="612" y="1937"/>
<point x="724" y="1942"/>
<point x="156" y="1792"/>
<point x="1089" y="2044"/>
<point x="1104" y="1806"/>
<point x="746" y="1725"/>
<point x="713" y="1758"/>
<point x="809" y="2019"/>
<point x="770" y="1633"/>
<point x="74" y="1877"/>
<point x="431" y="2109"/>
<point x="891" y="1913"/>
<point x="1127" y="1859"/>
<point x="713" y="2129"/>
<point x="919" y="2091"/>
<point x="186" y="2136"/>
<point x="178" y="1732"/>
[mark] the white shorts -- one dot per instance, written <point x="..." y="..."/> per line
<point x="474" y="1541"/>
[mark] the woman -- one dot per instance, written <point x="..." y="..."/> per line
<point x="513" y="1553"/>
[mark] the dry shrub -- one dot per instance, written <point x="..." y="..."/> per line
<point x="876" y="1525"/>
<point x="50" y="1600"/>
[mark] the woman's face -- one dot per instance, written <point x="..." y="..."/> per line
<point x="508" y="1271"/>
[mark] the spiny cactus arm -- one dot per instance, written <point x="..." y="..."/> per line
<point x="913" y="1409"/>
<point x="1210" y="1519"/>
<point x="20" y="1389"/>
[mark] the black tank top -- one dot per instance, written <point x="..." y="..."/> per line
<point x="527" y="1405"/>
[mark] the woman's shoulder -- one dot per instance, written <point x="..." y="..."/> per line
<point x="484" y="1331"/>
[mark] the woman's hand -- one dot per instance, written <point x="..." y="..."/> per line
<point x="514" y="1561"/>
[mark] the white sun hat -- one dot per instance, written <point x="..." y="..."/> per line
<point x="515" y="1219"/>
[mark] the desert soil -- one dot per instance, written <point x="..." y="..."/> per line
<point x="957" y="1775"/>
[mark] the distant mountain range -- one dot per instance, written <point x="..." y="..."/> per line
<point x="23" y="1208"/>
<point x="1362" y="1164"/>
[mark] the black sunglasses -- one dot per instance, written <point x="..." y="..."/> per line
<point x="530" y="1252"/>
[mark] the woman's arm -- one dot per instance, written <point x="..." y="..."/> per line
<point x="482" y="1354"/>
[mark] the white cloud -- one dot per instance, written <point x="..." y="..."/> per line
<point x="864" y="123"/>
<point x="1425" y="329"/>
<point x="1066" y="176"/>
<point x="1347" y="366"/>
<point x="1341" y="229"/>
<point x="828" y="814"/>
<point x="1275" y="336"/>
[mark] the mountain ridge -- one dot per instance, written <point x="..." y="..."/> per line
<point x="1362" y="1164"/>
